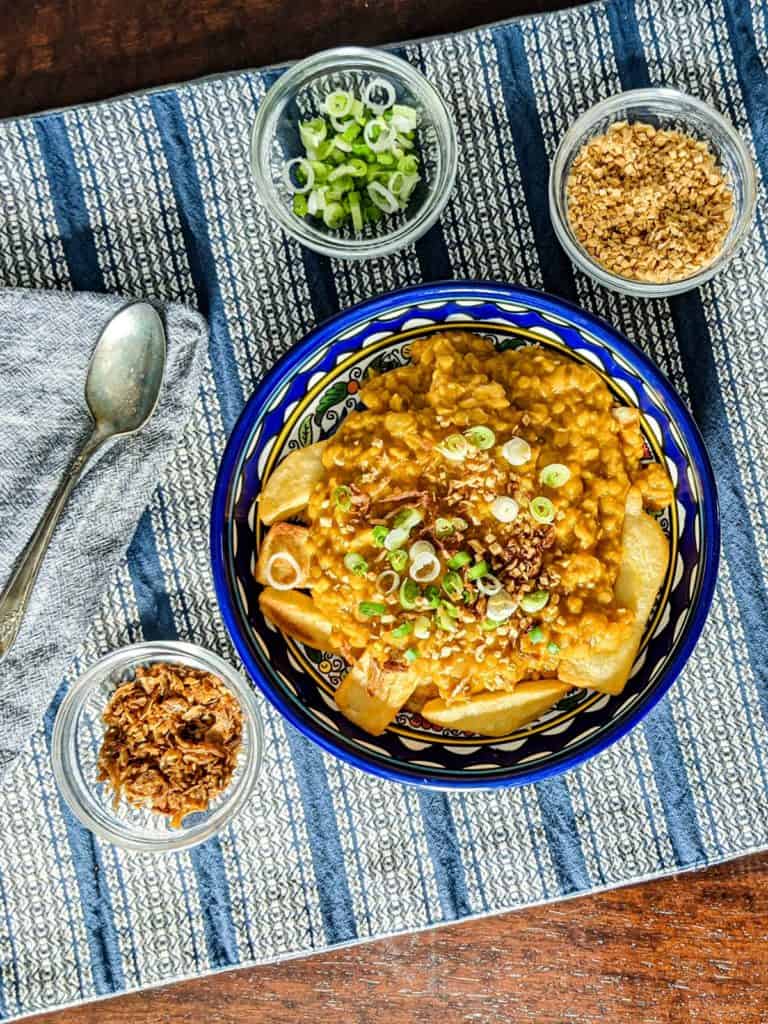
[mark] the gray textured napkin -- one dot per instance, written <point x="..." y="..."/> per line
<point x="46" y="339"/>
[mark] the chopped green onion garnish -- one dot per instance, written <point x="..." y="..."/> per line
<point x="542" y="510"/>
<point x="453" y="447"/>
<point x="313" y="132"/>
<point x="459" y="559"/>
<point x="478" y="569"/>
<point x="356" y="211"/>
<point x="552" y="647"/>
<point x="333" y="215"/>
<point x="443" y="527"/>
<point x="444" y="620"/>
<point x="404" y="629"/>
<point x="536" y="635"/>
<point x="422" y="627"/>
<point x="459" y="523"/>
<point x="450" y="609"/>
<point x="480" y="437"/>
<point x="411" y="654"/>
<point x="407" y="518"/>
<point x="379" y="535"/>
<point x="395" y="539"/>
<point x="432" y="595"/>
<point x="300" y="205"/>
<point x="534" y="601"/>
<point x="409" y="594"/>
<point x="371" y="608"/>
<point x="356" y="564"/>
<point x="555" y="475"/>
<point x="453" y="586"/>
<point x="469" y="596"/>
<point x="339" y="103"/>
<point x="398" y="559"/>
<point x="489" y="624"/>
<point x="342" y="498"/>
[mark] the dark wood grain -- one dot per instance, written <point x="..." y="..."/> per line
<point x="690" y="948"/>
<point x="54" y="52"/>
<point x="693" y="948"/>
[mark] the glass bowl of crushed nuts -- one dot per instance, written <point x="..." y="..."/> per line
<point x="157" y="746"/>
<point x="651" y="192"/>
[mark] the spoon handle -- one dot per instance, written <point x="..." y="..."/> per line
<point x="15" y="597"/>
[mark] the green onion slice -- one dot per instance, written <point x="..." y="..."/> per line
<point x="480" y="437"/>
<point x="305" y="175"/>
<point x="489" y="585"/>
<point x="555" y="475"/>
<point x="407" y="518"/>
<point x="477" y="570"/>
<point x="552" y="648"/>
<point x="379" y="535"/>
<point x="379" y="95"/>
<point x="516" y="451"/>
<point x="488" y="625"/>
<point x="422" y="627"/>
<point x="398" y="560"/>
<point x="505" y="509"/>
<point x="500" y="606"/>
<point x="453" y="585"/>
<point x="454" y="447"/>
<point x="338" y="103"/>
<point x="411" y="654"/>
<point x="542" y="510"/>
<point x="536" y="635"/>
<point x="444" y="527"/>
<point x="371" y="608"/>
<point x="450" y="609"/>
<point x="356" y="563"/>
<point x="459" y="523"/>
<point x="404" y="629"/>
<point x="409" y="594"/>
<point x="342" y="498"/>
<point x="444" y="620"/>
<point x="460" y="559"/>
<point x="395" y="539"/>
<point x="313" y="132"/>
<point x="534" y="601"/>
<point x="432" y="596"/>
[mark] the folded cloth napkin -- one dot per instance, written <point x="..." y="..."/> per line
<point x="46" y="340"/>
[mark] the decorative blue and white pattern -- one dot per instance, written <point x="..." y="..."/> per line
<point x="152" y="194"/>
<point x="304" y="399"/>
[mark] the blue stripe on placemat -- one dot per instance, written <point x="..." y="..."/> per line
<point x="194" y="228"/>
<point x="531" y="156"/>
<point x="443" y="845"/>
<point x="324" y="843"/>
<point x="66" y="191"/>
<point x="4" y="1007"/>
<point x="562" y="832"/>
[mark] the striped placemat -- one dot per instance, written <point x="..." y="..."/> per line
<point x="152" y="195"/>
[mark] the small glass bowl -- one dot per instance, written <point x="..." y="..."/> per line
<point x="298" y="94"/>
<point x="77" y="736"/>
<point x="663" y="108"/>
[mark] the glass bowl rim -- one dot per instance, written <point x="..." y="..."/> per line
<point x="366" y="58"/>
<point x="667" y="98"/>
<point x="80" y="800"/>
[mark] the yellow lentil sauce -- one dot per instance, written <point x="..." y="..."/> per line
<point x="385" y="459"/>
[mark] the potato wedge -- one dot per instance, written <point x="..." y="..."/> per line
<point x="295" y="614"/>
<point x="288" y="489"/>
<point x="644" y="565"/>
<point x="499" y="713"/>
<point x="371" y="696"/>
<point x="290" y="540"/>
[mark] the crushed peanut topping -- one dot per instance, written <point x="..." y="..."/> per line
<point x="649" y="204"/>
<point x="172" y="740"/>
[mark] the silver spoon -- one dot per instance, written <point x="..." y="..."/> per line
<point x="121" y="390"/>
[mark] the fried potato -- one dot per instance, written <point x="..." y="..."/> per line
<point x="291" y="541"/>
<point x="371" y="696"/>
<point x="498" y="713"/>
<point x="420" y="696"/>
<point x="288" y="489"/>
<point x="295" y="614"/>
<point x="645" y="553"/>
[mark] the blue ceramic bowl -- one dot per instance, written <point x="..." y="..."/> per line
<point x="304" y="399"/>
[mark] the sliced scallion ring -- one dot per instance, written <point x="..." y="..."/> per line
<point x="444" y="527"/>
<point x="294" y="569"/>
<point x="407" y="517"/>
<point x="516" y="451"/>
<point x="403" y="630"/>
<point x="542" y="510"/>
<point x="460" y="559"/>
<point x="477" y="570"/>
<point x="500" y="607"/>
<point x="333" y="215"/>
<point x="411" y="654"/>
<point x="453" y="585"/>
<point x="378" y="135"/>
<point x="432" y="596"/>
<point x="371" y="608"/>
<point x="535" y="601"/>
<point x="379" y="535"/>
<point x="536" y="635"/>
<point x="342" y="498"/>
<point x="553" y="648"/>
<point x="313" y="132"/>
<point x="505" y="509"/>
<point x="480" y="437"/>
<point x="455" y="447"/>
<point x="384" y="90"/>
<point x="382" y="197"/>
<point x="422" y="628"/>
<point x="300" y="163"/>
<point x="555" y="475"/>
<point x="395" y="538"/>
<point x="409" y="594"/>
<point x="338" y="103"/>
<point x="398" y="560"/>
<point x="387" y="582"/>
<point x="489" y="585"/>
<point x="420" y="547"/>
<point x="425" y="568"/>
<point x="355" y="563"/>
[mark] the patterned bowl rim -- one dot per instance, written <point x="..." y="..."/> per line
<point x="369" y="309"/>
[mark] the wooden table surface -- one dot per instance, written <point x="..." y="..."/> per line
<point x="691" y="948"/>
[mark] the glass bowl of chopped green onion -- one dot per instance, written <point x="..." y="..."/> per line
<point x="354" y="153"/>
